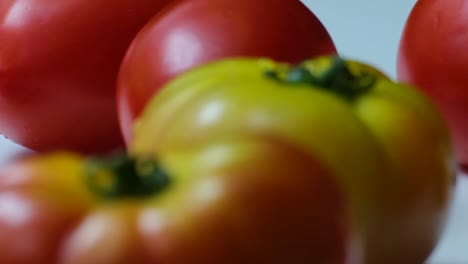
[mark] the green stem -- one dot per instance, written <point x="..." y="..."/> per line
<point x="337" y="79"/>
<point x="121" y="176"/>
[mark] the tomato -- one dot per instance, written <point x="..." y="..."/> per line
<point x="189" y="33"/>
<point x="58" y="66"/>
<point x="384" y="142"/>
<point x="219" y="202"/>
<point x="433" y="57"/>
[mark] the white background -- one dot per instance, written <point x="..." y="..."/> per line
<point x="370" y="30"/>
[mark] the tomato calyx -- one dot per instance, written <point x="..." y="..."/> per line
<point x="122" y="176"/>
<point x="337" y="79"/>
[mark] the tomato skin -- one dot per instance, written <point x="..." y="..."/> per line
<point x="237" y="207"/>
<point x="433" y="57"/>
<point x="387" y="145"/>
<point x="59" y="62"/>
<point x="189" y="33"/>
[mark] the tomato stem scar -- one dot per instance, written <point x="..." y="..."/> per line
<point x="121" y="176"/>
<point x="337" y="79"/>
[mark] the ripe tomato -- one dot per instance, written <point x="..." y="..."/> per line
<point x="58" y="66"/>
<point x="433" y="56"/>
<point x="191" y="205"/>
<point x="188" y="33"/>
<point x="383" y="141"/>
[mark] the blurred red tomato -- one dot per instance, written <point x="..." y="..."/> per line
<point x="433" y="56"/>
<point x="189" y="33"/>
<point x="186" y="207"/>
<point x="58" y="65"/>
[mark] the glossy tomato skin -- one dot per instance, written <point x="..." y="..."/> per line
<point x="58" y="67"/>
<point x="433" y="57"/>
<point x="230" y="208"/>
<point x="189" y="33"/>
<point x="387" y="145"/>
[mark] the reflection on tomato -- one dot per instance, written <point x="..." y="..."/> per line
<point x="189" y="33"/>
<point x="58" y="66"/>
<point x="433" y="56"/>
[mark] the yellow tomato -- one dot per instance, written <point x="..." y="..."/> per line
<point x="384" y="142"/>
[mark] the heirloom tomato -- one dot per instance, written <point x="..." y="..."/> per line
<point x="218" y="202"/>
<point x="384" y="142"/>
<point x="188" y="33"/>
<point x="58" y="67"/>
<point x="433" y="56"/>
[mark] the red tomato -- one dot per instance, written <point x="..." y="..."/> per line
<point x="189" y="33"/>
<point x="433" y="56"/>
<point x="184" y="207"/>
<point x="58" y="65"/>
